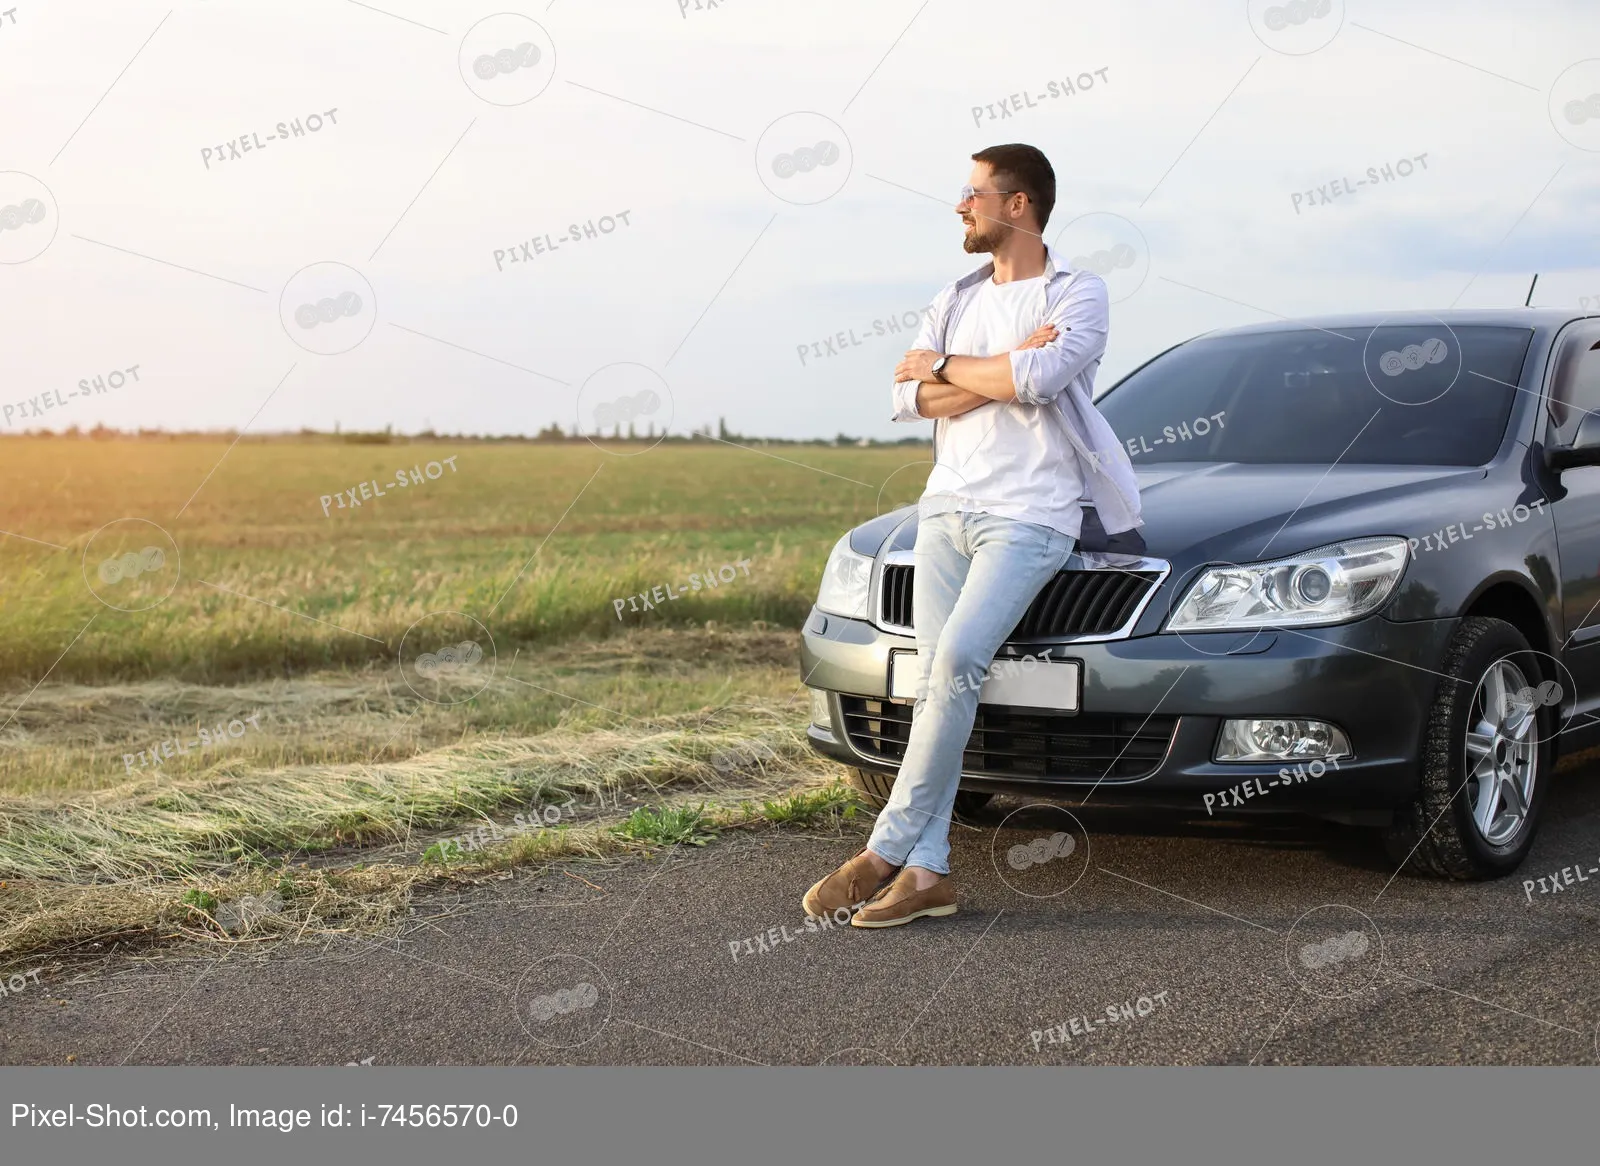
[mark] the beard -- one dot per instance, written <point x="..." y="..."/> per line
<point x="982" y="239"/>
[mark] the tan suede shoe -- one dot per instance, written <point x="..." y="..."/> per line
<point x="901" y="902"/>
<point x="851" y="885"/>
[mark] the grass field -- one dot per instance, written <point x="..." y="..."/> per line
<point x="311" y="627"/>
<point x="535" y="541"/>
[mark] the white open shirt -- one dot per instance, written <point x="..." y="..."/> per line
<point x="1039" y="458"/>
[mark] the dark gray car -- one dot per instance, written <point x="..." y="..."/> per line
<point x="1366" y="587"/>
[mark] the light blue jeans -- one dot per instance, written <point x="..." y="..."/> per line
<point x="976" y="575"/>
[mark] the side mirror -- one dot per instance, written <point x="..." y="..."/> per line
<point x="1584" y="450"/>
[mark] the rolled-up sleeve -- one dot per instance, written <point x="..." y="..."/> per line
<point x="1082" y="317"/>
<point x="905" y="392"/>
<point x="905" y="401"/>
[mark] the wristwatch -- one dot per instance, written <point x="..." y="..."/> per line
<point x="938" y="369"/>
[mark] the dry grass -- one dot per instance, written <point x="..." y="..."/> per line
<point x="53" y="918"/>
<point x="314" y="902"/>
<point x="70" y="740"/>
<point x="332" y="806"/>
<point x="242" y="815"/>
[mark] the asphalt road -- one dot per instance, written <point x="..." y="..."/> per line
<point x="1209" y="942"/>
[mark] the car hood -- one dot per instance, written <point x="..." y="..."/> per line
<point x="1230" y="512"/>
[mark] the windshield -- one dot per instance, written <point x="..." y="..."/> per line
<point x="1409" y="395"/>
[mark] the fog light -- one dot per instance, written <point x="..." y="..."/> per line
<point x="1280" y="740"/>
<point x="821" y="717"/>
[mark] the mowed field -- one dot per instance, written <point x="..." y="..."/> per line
<point x="211" y="691"/>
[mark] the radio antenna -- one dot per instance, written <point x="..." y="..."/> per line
<point x="1529" y="301"/>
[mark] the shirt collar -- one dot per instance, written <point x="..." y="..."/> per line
<point x="1055" y="267"/>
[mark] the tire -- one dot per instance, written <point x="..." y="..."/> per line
<point x="1437" y="833"/>
<point x="970" y="802"/>
<point x="875" y="788"/>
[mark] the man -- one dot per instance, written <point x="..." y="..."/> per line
<point x="1004" y="364"/>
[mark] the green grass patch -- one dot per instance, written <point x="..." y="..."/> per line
<point x="668" y="826"/>
<point x="804" y="807"/>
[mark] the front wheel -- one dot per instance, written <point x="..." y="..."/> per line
<point x="875" y="788"/>
<point x="969" y="802"/>
<point x="1485" y="757"/>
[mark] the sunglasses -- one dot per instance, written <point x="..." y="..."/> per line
<point x="968" y="194"/>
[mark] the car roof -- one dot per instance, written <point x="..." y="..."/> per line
<point x="1536" y="318"/>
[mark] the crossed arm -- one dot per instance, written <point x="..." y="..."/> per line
<point x="1074" y="339"/>
<point x="972" y="380"/>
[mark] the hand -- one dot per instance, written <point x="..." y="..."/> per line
<point x="917" y="365"/>
<point x="1040" y="338"/>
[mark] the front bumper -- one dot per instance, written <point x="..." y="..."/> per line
<point x="1374" y="678"/>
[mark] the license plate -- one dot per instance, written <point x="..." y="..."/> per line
<point x="1043" y="684"/>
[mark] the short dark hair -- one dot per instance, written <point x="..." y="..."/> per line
<point x="1026" y="169"/>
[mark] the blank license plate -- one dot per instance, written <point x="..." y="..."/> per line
<point x="1045" y="684"/>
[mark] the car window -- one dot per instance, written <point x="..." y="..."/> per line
<point x="1574" y="385"/>
<point x="1393" y="395"/>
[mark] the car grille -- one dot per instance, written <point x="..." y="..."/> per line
<point x="1074" y="603"/>
<point x="1008" y="742"/>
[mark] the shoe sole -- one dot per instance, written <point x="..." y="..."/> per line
<point x="931" y="912"/>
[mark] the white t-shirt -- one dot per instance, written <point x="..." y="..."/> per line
<point x="1001" y="458"/>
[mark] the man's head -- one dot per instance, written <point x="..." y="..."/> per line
<point x="1014" y="190"/>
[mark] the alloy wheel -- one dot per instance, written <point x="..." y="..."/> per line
<point x="1501" y="754"/>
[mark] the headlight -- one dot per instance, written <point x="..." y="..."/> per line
<point x="1332" y="584"/>
<point x="845" y="582"/>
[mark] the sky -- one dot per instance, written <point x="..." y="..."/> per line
<point x="728" y="186"/>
